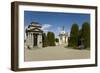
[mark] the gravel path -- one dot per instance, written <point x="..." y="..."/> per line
<point x="55" y="53"/>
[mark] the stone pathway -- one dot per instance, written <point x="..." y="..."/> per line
<point x="55" y="53"/>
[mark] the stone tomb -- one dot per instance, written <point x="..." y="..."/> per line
<point x="34" y="35"/>
<point x="63" y="37"/>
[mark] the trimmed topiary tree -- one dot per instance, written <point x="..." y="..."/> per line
<point x="57" y="40"/>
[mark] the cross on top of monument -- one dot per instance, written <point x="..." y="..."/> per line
<point x="63" y="28"/>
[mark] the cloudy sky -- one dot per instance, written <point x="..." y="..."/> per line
<point x="54" y="21"/>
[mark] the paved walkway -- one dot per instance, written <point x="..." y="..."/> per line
<point x="55" y="53"/>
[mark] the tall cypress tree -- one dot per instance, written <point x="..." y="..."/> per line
<point x="51" y="39"/>
<point x="80" y="38"/>
<point x="86" y="34"/>
<point x="44" y="39"/>
<point x="73" y="40"/>
<point x="48" y="38"/>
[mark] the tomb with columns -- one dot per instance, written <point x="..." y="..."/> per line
<point x="34" y="35"/>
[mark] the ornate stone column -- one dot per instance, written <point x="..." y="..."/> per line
<point x="28" y="39"/>
<point x="40" y="40"/>
<point x="32" y="40"/>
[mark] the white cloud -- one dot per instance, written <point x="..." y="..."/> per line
<point x="45" y="27"/>
<point x="25" y="27"/>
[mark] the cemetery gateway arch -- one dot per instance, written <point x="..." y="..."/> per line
<point x="34" y="35"/>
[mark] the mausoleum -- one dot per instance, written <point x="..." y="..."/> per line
<point x="34" y="35"/>
<point x="63" y="37"/>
